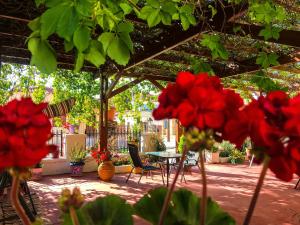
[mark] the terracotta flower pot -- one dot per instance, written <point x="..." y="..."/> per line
<point x="36" y="174"/>
<point x="111" y="114"/>
<point x="106" y="170"/>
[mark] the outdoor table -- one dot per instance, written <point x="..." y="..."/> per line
<point x="167" y="156"/>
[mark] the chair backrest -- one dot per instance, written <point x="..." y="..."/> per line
<point x="134" y="154"/>
<point x="192" y="157"/>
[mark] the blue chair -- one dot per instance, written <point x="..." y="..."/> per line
<point x="137" y="163"/>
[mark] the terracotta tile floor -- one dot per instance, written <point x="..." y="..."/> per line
<point x="230" y="185"/>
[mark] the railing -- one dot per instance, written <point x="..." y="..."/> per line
<point x="58" y="140"/>
<point x="117" y="138"/>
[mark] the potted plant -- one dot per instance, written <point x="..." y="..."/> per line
<point x="106" y="169"/>
<point x="37" y="172"/>
<point x="213" y="155"/>
<point x="77" y="156"/>
<point x="226" y="148"/>
<point x="224" y="156"/>
<point x="236" y="157"/>
<point x="122" y="163"/>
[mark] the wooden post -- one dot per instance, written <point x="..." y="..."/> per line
<point x="179" y="132"/>
<point x="103" y="115"/>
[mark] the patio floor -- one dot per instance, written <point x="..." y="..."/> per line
<point x="230" y="185"/>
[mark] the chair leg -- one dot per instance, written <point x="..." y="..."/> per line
<point x="162" y="176"/>
<point x="129" y="175"/>
<point x="297" y="184"/>
<point x="141" y="176"/>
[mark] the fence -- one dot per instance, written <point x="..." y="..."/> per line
<point x="58" y="140"/>
<point x="117" y="138"/>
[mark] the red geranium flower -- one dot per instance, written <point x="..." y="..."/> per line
<point x="197" y="100"/>
<point x="101" y="155"/>
<point x="24" y="132"/>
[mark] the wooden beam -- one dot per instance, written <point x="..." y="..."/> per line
<point x="156" y="84"/>
<point x="126" y="86"/>
<point x="112" y="86"/>
<point x="152" y="76"/>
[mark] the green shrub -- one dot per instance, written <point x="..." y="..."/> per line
<point x="181" y="144"/>
<point x="224" y="154"/>
<point x="236" y="156"/>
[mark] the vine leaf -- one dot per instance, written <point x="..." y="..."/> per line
<point x="81" y="38"/>
<point x="184" y="208"/>
<point x="118" y="51"/>
<point x="68" y="22"/>
<point x="42" y="55"/>
<point x="95" y="54"/>
<point x="49" y="20"/>
<point x="270" y="32"/>
<point x="216" y="47"/>
<point x="266" y="60"/>
<point x="265" y="83"/>
<point x="186" y="15"/>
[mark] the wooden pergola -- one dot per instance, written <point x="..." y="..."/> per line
<point x="159" y="52"/>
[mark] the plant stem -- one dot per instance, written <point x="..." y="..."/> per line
<point x="257" y="190"/>
<point x="171" y="190"/>
<point x="74" y="217"/>
<point x="204" y="191"/>
<point x="14" y="197"/>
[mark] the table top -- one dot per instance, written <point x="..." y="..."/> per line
<point x="164" y="154"/>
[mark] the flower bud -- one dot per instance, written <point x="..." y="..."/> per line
<point x="70" y="199"/>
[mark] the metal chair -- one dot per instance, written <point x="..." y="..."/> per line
<point x="298" y="184"/>
<point x="6" y="182"/>
<point x="192" y="159"/>
<point x="137" y="163"/>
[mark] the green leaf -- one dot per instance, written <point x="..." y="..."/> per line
<point x="154" y="18"/>
<point x="145" y="12"/>
<point x="68" y="45"/>
<point x="106" y="38"/>
<point x="67" y="24"/>
<point x="125" y="27"/>
<point x="200" y="66"/>
<point x="270" y="32"/>
<point x="127" y="9"/>
<point x="50" y="20"/>
<point x="213" y="11"/>
<point x="166" y="18"/>
<point x="82" y="38"/>
<point x="119" y="51"/>
<point x="184" y="208"/>
<point x="153" y="3"/>
<point x="95" y="55"/>
<point x="266" y="60"/>
<point x="110" y="210"/>
<point x="35" y="24"/>
<point x="127" y="40"/>
<point x="217" y="48"/>
<point x="43" y="56"/>
<point x="265" y="83"/>
<point x="39" y="2"/>
<point x="53" y="3"/>
<point x="84" y="7"/>
<point x="169" y="7"/>
<point x="79" y="62"/>
<point x="185" y="23"/>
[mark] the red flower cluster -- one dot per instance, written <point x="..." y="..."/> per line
<point x="198" y="100"/>
<point x="24" y="132"/>
<point x="101" y="155"/>
<point x="272" y="123"/>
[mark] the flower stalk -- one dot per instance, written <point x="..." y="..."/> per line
<point x="204" y="191"/>
<point x="171" y="189"/>
<point x="14" y="196"/>
<point x="257" y="190"/>
<point x="74" y="217"/>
